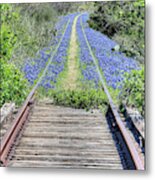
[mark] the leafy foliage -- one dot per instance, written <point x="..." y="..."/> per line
<point x="8" y="37"/>
<point x="133" y="92"/>
<point x="25" y="29"/>
<point x="85" y="99"/>
<point x="35" y="29"/>
<point x="13" y="85"/>
<point x="124" y="22"/>
<point x="64" y="8"/>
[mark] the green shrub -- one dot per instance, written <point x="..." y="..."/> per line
<point x="13" y="86"/>
<point x="8" y="37"/>
<point x="133" y="92"/>
<point x="123" y="21"/>
<point x="83" y="99"/>
<point x="34" y="30"/>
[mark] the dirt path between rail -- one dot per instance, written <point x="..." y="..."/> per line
<point x="70" y="81"/>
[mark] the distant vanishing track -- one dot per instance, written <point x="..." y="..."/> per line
<point x="72" y="65"/>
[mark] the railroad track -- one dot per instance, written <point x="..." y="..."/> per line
<point x="44" y="135"/>
<point x="64" y="137"/>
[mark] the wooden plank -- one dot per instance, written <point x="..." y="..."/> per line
<point x="71" y="122"/>
<point x="69" y="165"/>
<point x="65" y="118"/>
<point x="63" y="131"/>
<point x="63" y="114"/>
<point x="69" y="141"/>
<point x="49" y="126"/>
<point x="93" y="135"/>
<point x="68" y="158"/>
<point x="77" y="129"/>
<point x="69" y="152"/>
<point x="62" y="146"/>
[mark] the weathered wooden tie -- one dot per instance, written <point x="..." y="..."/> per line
<point x="63" y="137"/>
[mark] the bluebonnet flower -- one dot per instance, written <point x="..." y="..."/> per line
<point x="113" y="64"/>
<point x="33" y="67"/>
<point x="87" y="66"/>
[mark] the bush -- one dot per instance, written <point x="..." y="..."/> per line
<point x="81" y="99"/>
<point x="25" y="29"/>
<point x="13" y="85"/>
<point x="123" y="22"/>
<point x="133" y="92"/>
<point x="34" y="30"/>
<point x="8" y="36"/>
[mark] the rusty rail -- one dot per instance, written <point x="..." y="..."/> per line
<point x="11" y="134"/>
<point x="132" y="149"/>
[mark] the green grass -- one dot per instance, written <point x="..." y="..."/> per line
<point x="81" y="99"/>
<point x="133" y="92"/>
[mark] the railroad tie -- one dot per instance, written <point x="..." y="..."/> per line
<point x="63" y="137"/>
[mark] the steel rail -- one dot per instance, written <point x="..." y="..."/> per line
<point x="134" y="154"/>
<point x="21" y="117"/>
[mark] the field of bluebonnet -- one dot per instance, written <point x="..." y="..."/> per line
<point x="96" y="52"/>
<point x="112" y="64"/>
